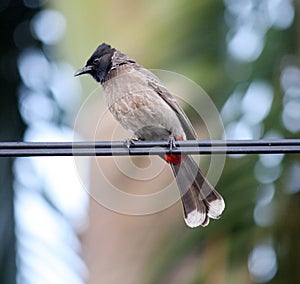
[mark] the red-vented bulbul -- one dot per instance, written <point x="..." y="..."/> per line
<point x="141" y="103"/>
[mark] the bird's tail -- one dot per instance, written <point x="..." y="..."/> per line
<point x="199" y="198"/>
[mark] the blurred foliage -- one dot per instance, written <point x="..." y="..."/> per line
<point x="20" y="261"/>
<point x="190" y="38"/>
<point x="11" y="129"/>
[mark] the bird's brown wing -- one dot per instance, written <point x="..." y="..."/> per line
<point x="164" y="93"/>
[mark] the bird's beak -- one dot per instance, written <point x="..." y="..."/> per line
<point x="83" y="70"/>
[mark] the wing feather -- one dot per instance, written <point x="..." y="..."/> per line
<point x="164" y="93"/>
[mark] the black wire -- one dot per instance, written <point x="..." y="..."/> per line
<point x="203" y="147"/>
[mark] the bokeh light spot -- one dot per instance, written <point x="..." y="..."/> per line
<point x="281" y="13"/>
<point x="262" y="263"/>
<point x="49" y="26"/>
<point x="264" y="215"/>
<point x="257" y="102"/>
<point x="266" y="174"/>
<point x="293" y="179"/>
<point x="265" y="193"/>
<point x="34" y="69"/>
<point x="246" y="44"/>
<point x="291" y="116"/>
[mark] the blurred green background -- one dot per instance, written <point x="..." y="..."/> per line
<point x="245" y="54"/>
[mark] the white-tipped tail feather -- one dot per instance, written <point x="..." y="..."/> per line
<point x="215" y="208"/>
<point x="196" y="219"/>
<point x="199" y="198"/>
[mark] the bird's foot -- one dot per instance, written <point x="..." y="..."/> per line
<point x="130" y="142"/>
<point x="172" y="143"/>
<point x="172" y="158"/>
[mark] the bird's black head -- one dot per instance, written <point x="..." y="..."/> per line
<point x="99" y="63"/>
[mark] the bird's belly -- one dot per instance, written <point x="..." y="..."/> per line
<point x="142" y="112"/>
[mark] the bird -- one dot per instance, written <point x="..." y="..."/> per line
<point x="143" y="105"/>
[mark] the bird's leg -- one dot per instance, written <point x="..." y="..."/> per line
<point x="171" y="142"/>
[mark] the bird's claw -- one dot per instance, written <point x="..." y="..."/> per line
<point x="130" y="142"/>
<point x="172" y="143"/>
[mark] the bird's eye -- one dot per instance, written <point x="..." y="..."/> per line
<point x="96" y="60"/>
